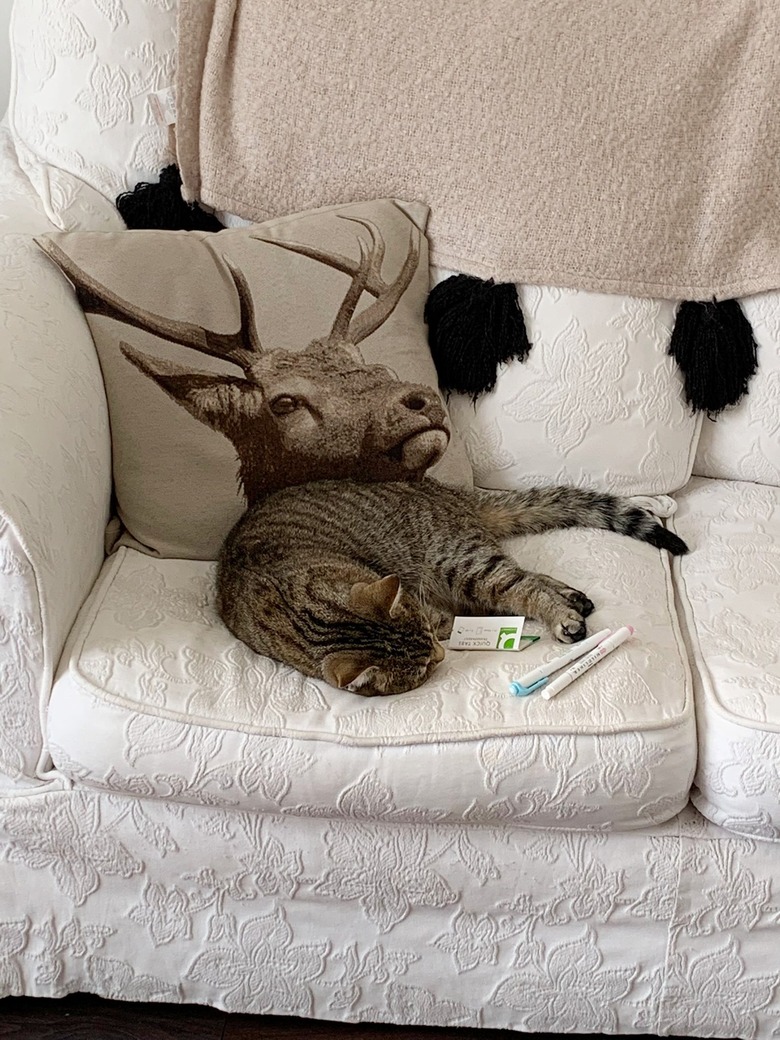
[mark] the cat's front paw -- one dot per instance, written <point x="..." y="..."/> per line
<point x="571" y="628"/>
<point x="564" y="609"/>
<point x="579" y="601"/>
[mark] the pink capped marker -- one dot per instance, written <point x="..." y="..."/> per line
<point x="605" y="647"/>
<point x="530" y="681"/>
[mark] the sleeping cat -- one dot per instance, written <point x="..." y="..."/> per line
<point x="355" y="583"/>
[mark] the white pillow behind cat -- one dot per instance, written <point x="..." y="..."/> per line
<point x="597" y="403"/>
<point x="79" y="113"/>
<point x="743" y="442"/>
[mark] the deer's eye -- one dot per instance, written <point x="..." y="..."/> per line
<point x="284" y="405"/>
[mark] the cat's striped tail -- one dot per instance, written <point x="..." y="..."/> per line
<point x="509" y="513"/>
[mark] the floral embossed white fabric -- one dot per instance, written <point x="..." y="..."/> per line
<point x="79" y="110"/>
<point x="670" y="929"/>
<point x="185" y="710"/>
<point x="743" y="442"/>
<point x="54" y="468"/>
<point x="21" y="209"/>
<point x="597" y="402"/>
<point x="731" y="582"/>
<point x="22" y="675"/>
<point x="480" y="861"/>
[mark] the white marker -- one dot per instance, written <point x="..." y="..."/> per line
<point x="609" y="644"/>
<point x="571" y="655"/>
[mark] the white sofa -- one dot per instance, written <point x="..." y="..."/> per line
<point x="181" y="820"/>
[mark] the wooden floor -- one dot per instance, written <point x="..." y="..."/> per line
<point x="83" y="1017"/>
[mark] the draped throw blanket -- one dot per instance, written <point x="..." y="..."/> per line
<point x="618" y="147"/>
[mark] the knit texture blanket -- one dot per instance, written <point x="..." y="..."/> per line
<point x="627" y="146"/>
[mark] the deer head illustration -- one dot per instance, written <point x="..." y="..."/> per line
<point x="294" y="416"/>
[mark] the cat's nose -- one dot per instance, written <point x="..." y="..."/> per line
<point x="438" y="653"/>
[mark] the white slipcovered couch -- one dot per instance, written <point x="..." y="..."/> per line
<point x="181" y="820"/>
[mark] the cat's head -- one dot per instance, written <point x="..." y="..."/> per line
<point x="392" y="645"/>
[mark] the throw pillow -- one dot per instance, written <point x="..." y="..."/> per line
<point x="597" y="402"/>
<point x="79" y="108"/>
<point x="743" y="442"/>
<point x="240" y="362"/>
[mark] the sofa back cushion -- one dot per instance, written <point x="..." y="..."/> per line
<point x="597" y="403"/>
<point x="232" y="366"/>
<point x="743" y="442"/>
<point x="79" y="111"/>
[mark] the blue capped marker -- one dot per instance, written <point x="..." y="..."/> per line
<point x="522" y="691"/>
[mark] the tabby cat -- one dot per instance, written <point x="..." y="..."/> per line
<point x="355" y="583"/>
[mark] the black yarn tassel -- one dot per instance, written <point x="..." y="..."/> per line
<point x="161" y="207"/>
<point x="473" y="327"/>
<point x="713" y="344"/>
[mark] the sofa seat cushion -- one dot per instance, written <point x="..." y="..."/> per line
<point x="155" y="696"/>
<point x="731" y="603"/>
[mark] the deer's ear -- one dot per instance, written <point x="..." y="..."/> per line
<point x="208" y="398"/>
<point x="378" y="599"/>
<point x="348" y="670"/>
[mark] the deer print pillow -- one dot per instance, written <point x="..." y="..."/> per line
<point x="241" y="362"/>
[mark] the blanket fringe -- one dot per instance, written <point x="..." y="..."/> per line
<point x="713" y="344"/>
<point x="474" y="326"/>
<point x="160" y="207"/>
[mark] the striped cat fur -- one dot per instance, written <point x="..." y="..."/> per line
<point x="355" y="583"/>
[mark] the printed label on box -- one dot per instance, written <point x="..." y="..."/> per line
<point x="163" y="106"/>
<point x="488" y="633"/>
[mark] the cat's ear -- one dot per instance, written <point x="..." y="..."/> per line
<point x="348" y="670"/>
<point x="379" y="599"/>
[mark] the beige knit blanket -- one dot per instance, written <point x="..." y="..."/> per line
<point x="625" y="146"/>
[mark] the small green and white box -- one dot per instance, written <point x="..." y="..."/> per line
<point x="489" y="633"/>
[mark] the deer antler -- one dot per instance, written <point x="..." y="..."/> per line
<point x="377" y="313"/>
<point x="239" y="347"/>
<point x="366" y="277"/>
<point x="374" y="283"/>
<point x="340" y="328"/>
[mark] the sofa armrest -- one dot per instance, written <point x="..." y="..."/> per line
<point x="55" y="487"/>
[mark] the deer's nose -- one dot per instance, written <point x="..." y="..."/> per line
<point x="415" y="401"/>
